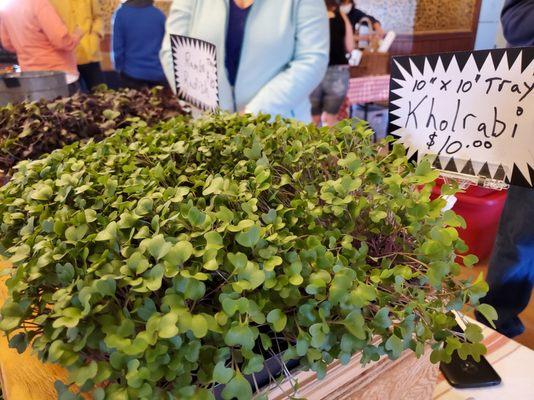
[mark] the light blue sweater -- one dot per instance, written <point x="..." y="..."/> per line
<point x="284" y="55"/>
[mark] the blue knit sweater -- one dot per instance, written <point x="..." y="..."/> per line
<point x="517" y="21"/>
<point x="137" y="36"/>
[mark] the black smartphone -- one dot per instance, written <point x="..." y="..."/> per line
<point x="465" y="374"/>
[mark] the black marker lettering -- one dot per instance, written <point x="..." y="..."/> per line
<point x="456" y="116"/>
<point x="514" y="131"/>
<point x="529" y="89"/>
<point x="412" y="112"/>
<point x="465" y="119"/>
<point x="496" y="122"/>
<point x="431" y="117"/>
<point x="490" y="81"/>
<point x="460" y="86"/>
<point x="419" y="85"/>
<point x="450" y="148"/>
<point x="504" y="81"/>
<point x="444" y="85"/>
<point x="467" y="86"/>
<point x="464" y="86"/>
<point x="432" y="142"/>
<point x="483" y="128"/>
<point x="445" y="145"/>
<point x="516" y="89"/>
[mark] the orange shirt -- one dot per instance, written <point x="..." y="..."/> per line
<point x="33" y="30"/>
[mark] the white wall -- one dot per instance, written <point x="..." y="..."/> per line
<point x="489" y="33"/>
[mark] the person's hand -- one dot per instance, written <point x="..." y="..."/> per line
<point x="379" y="31"/>
<point x="77" y="34"/>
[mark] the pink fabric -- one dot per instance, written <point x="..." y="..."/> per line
<point x="368" y="89"/>
<point x="34" y="30"/>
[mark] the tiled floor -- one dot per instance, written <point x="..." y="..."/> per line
<point x="527" y="338"/>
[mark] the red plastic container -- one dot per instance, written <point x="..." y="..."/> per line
<point x="481" y="208"/>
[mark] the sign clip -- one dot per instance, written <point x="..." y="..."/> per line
<point x="465" y="180"/>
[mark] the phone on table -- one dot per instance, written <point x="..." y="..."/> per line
<point x="465" y="374"/>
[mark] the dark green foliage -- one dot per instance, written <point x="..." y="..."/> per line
<point x="29" y="130"/>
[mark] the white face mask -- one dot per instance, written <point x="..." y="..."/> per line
<point x="345" y="8"/>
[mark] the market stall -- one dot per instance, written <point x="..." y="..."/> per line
<point x="154" y="253"/>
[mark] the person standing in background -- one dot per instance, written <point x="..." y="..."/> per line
<point x="270" y="53"/>
<point x="34" y="31"/>
<point x="87" y="16"/>
<point x="511" y="268"/>
<point x="518" y="22"/>
<point x="348" y="7"/>
<point x="7" y="59"/>
<point x="328" y="97"/>
<point x="138" y="30"/>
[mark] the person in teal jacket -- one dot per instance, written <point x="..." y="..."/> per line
<point x="271" y="54"/>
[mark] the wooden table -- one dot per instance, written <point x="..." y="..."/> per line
<point x="512" y="361"/>
<point x="407" y="378"/>
<point x="23" y="376"/>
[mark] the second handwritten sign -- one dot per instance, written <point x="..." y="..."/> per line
<point x="195" y="72"/>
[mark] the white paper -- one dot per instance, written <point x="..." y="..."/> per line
<point x="480" y="115"/>
<point x="195" y="72"/>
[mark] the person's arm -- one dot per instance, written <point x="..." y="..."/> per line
<point x="358" y="14"/>
<point x="294" y="84"/>
<point x="377" y="26"/>
<point x="117" y="41"/>
<point x="54" y="28"/>
<point x="97" y="26"/>
<point x="517" y="21"/>
<point x="349" y="34"/>
<point x="378" y="29"/>
<point x="177" y="24"/>
<point x="5" y="39"/>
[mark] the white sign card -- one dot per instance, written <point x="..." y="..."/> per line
<point x="195" y="71"/>
<point x="473" y="112"/>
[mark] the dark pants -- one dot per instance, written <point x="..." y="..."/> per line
<point x="511" y="268"/>
<point x="138" y="84"/>
<point x="90" y="75"/>
<point x="74" y="87"/>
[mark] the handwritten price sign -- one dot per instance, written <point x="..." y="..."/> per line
<point x="473" y="111"/>
<point x="195" y="72"/>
